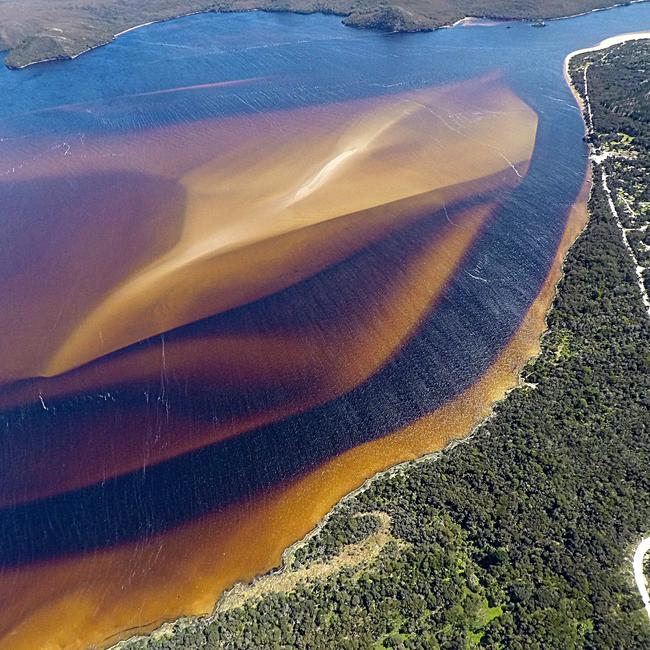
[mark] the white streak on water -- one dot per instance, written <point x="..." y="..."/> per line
<point x="464" y="135"/>
<point x="476" y="277"/>
<point x="444" y="207"/>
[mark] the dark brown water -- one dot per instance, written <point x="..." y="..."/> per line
<point x="236" y="285"/>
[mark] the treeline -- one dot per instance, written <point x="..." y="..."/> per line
<point x="619" y="83"/>
<point x="522" y="538"/>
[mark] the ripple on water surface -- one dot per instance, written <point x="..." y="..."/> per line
<point x="237" y="284"/>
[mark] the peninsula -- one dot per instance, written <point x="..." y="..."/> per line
<point x="33" y="31"/>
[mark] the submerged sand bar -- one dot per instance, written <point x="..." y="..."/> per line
<point x="277" y="175"/>
<point x="289" y="195"/>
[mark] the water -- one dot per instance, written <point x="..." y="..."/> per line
<point x="136" y="424"/>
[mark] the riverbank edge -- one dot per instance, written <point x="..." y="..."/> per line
<point x="164" y="628"/>
<point x="637" y="556"/>
<point x="417" y="25"/>
<point x="184" y="622"/>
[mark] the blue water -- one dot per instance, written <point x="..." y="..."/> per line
<point x="298" y="61"/>
<point x="307" y="59"/>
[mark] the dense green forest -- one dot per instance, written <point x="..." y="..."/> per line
<point x="521" y="538"/>
<point x="621" y="129"/>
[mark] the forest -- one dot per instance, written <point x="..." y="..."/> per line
<point x="521" y="537"/>
<point x="621" y="131"/>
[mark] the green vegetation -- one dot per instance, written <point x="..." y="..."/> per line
<point x="38" y="30"/>
<point x="519" y="539"/>
<point x="619" y="82"/>
<point x="341" y="531"/>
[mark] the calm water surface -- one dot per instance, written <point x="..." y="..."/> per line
<point x="153" y="388"/>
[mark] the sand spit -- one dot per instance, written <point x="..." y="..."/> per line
<point x="603" y="45"/>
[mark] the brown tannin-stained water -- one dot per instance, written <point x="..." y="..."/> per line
<point x="275" y="258"/>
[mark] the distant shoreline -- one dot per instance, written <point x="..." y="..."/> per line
<point x="68" y="35"/>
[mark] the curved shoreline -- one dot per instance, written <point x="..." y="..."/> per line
<point x="570" y="236"/>
<point x="642" y="549"/>
<point x="392" y="18"/>
<point x="602" y="45"/>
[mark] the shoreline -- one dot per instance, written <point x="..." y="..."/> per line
<point x="164" y="627"/>
<point x="461" y="22"/>
<point x="602" y="45"/>
<point x="182" y="622"/>
<point x="106" y="42"/>
<point x="642" y="548"/>
<point x="591" y="11"/>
